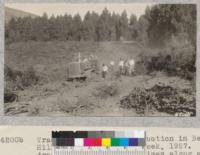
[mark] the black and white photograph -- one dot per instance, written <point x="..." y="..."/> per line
<point x="103" y="59"/>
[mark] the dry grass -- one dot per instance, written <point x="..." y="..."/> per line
<point x="105" y="90"/>
<point x="58" y="103"/>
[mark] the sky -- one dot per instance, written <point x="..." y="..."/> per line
<point x="73" y="8"/>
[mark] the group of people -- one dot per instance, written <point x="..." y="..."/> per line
<point x="123" y="66"/>
<point x="126" y="67"/>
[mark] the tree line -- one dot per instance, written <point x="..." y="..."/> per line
<point x="157" y="26"/>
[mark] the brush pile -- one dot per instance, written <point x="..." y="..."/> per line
<point x="160" y="98"/>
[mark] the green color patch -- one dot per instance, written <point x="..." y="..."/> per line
<point x="115" y="142"/>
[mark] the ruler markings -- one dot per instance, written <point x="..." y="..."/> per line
<point x="96" y="152"/>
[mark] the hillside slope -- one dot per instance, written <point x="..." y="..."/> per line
<point x="51" y="58"/>
<point x="14" y="13"/>
<point x="55" y="96"/>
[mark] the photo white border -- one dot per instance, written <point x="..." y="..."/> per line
<point x="100" y="121"/>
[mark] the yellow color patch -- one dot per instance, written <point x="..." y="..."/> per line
<point x="106" y="142"/>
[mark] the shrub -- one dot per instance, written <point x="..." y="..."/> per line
<point x="106" y="90"/>
<point x="29" y="77"/>
<point x="9" y="74"/>
<point x="34" y="110"/>
<point x="9" y="96"/>
<point x="175" y="62"/>
<point x="21" y="79"/>
<point x="64" y="105"/>
<point x="56" y="104"/>
<point x="84" y="103"/>
<point x="18" y="80"/>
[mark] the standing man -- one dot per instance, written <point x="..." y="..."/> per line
<point x="112" y="69"/>
<point x="126" y="67"/>
<point x="104" y="71"/>
<point x="131" y="66"/>
<point x="112" y="64"/>
<point x="121" y="66"/>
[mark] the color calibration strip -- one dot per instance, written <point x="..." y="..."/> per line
<point x="98" y="138"/>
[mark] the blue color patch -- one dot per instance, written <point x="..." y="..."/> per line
<point x="124" y="142"/>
